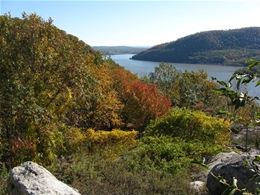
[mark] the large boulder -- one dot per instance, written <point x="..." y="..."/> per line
<point x="233" y="165"/>
<point x="32" y="179"/>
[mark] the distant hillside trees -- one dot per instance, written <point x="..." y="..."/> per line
<point x="114" y="50"/>
<point x="230" y="47"/>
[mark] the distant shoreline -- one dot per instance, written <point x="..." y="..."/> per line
<point x="188" y="63"/>
<point x="117" y="50"/>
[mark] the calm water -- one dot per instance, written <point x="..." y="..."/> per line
<point x="143" y="68"/>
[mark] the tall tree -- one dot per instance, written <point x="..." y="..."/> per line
<point x="43" y="71"/>
<point x="106" y="106"/>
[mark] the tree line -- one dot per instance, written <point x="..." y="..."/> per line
<point x="115" y="50"/>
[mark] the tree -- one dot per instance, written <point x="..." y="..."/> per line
<point x="166" y="76"/>
<point x="122" y="79"/>
<point x="105" y="108"/>
<point x="189" y="89"/>
<point x="144" y="103"/>
<point x="43" y="72"/>
<point x="197" y="92"/>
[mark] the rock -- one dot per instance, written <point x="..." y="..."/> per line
<point x="197" y="185"/>
<point x="232" y="164"/>
<point x="236" y="128"/>
<point x="238" y="139"/>
<point x="251" y="130"/>
<point x="198" y="173"/>
<point x="32" y="179"/>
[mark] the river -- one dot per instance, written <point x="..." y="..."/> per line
<point x="143" y="68"/>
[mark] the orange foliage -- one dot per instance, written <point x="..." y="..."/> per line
<point x="121" y="81"/>
<point x="106" y="106"/>
<point x="144" y="104"/>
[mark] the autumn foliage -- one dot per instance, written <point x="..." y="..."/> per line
<point x="145" y="103"/>
<point x="53" y="87"/>
<point x="101" y="138"/>
<point x="56" y="92"/>
<point x="60" y="99"/>
<point x="191" y="125"/>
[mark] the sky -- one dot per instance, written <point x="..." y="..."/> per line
<point x="138" y="23"/>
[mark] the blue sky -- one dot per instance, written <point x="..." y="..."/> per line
<point x="138" y="23"/>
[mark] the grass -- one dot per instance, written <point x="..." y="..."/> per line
<point x="96" y="174"/>
<point x="4" y="174"/>
<point x="115" y="171"/>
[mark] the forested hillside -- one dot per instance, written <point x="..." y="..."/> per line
<point x="53" y="87"/>
<point x="229" y="47"/>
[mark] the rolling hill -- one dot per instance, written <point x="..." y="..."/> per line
<point x="225" y="47"/>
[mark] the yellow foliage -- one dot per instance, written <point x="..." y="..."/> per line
<point x="50" y="143"/>
<point x="106" y="105"/>
<point x="74" y="135"/>
<point x="116" y="136"/>
<point x="74" y="139"/>
<point x="190" y="124"/>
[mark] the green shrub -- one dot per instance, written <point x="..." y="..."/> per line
<point x="190" y="125"/>
<point x="173" y="155"/>
<point x="94" y="175"/>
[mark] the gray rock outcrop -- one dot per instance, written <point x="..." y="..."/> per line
<point x="238" y="137"/>
<point x="232" y="164"/>
<point x="32" y="179"/>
